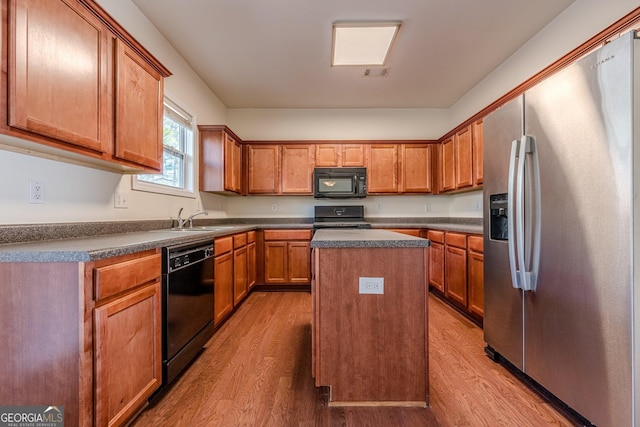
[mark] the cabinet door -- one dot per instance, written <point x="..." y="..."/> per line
<point x="59" y="73"/>
<point x="251" y="265"/>
<point x="476" y="277"/>
<point x="232" y="163"/>
<point x="352" y="155"/>
<point x="128" y="354"/>
<point x="139" y="110"/>
<point x="275" y="262"/>
<point x="436" y="261"/>
<point x="382" y="169"/>
<point x="464" y="158"/>
<point x="415" y="168"/>
<point x="297" y="169"/>
<point x="328" y="155"/>
<point x="478" y="175"/>
<point x="299" y="254"/>
<point x="447" y="165"/>
<point x="223" y="288"/>
<point x="455" y="266"/>
<point x="240" y="287"/>
<point x="264" y="169"/>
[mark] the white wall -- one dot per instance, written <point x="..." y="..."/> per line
<point x="76" y="193"/>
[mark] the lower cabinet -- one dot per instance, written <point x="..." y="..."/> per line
<point x="223" y="279"/>
<point x="251" y="259"/>
<point x="287" y="257"/>
<point x="475" y="273"/>
<point x="127" y="335"/>
<point x="234" y="272"/>
<point x="456" y="266"/>
<point x="240" y="263"/>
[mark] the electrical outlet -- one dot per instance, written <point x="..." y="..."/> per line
<point x="371" y="285"/>
<point x="36" y="192"/>
<point x="274" y="207"/>
<point x="427" y="207"/>
<point x="121" y="200"/>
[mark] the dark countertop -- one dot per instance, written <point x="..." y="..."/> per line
<point x="81" y="242"/>
<point x="365" y="238"/>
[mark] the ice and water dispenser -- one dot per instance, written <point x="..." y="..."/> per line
<point x="499" y="218"/>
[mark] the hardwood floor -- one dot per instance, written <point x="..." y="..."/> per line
<point x="256" y="371"/>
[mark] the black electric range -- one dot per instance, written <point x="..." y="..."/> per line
<point x="339" y="217"/>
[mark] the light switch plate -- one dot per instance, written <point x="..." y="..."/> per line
<point x="371" y="285"/>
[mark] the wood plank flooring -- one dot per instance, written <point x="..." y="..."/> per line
<point x="256" y="371"/>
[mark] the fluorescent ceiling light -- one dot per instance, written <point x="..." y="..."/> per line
<point x="363" y="43"/>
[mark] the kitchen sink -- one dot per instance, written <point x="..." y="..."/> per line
<point x="203" y="228"/>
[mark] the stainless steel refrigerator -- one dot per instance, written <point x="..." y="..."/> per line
<point x="562" y="233"/>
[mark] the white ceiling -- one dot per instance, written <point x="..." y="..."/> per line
<point x="276" y="53"/>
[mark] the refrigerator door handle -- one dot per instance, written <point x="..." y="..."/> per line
<point x="511" y="213"/>
<point x="528" y="216"/>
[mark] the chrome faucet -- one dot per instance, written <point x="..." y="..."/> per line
<point x="190" y="219"/>
<point x="179" y="219"/>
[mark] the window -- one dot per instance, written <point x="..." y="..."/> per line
<point x="177" y="176"/>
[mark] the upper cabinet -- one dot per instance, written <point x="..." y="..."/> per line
<point x="263" y="168"/>
<point x="339" y="155"/>
<point x="78" y="82"/>
<point x="297" y="168"/>
<point x="460" y="159"/>
<point x="476" y="130"/>
<point x="220" y="160"/>
<point x="415" y="168"/>
<point x="139" y="110"/>
<point x="382" y="168"/>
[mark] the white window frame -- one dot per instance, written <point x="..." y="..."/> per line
<point x="183" y="116"/>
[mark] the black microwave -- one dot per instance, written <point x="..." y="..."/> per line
<point x="339" y="183"/>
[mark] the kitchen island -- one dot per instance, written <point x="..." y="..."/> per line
<point x="369" y="324"/>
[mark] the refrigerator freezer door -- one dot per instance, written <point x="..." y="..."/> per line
<point x="503" y="304"/>
<point x="578" y="321"/>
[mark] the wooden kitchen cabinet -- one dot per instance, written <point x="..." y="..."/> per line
<point x="86" y="335"/>
<point x="436" y="259"/>
<point x="251" y="259"/>
<point x="476" y="276"/>
<point x="139" y="110"/>
<point x="447" y="165"/>
<point x="415" y="171"/>
<point x="240" y="268"/>
<point x="223" y="278"/>
<point x="477" y="138"/>
<point x="328" y="155"/>
<point x="455" y="266"/>
<point x="339" y="155"/>
<point x="263" y="168"/>
<point x="50" y="95"/>
<point x="76" y="81"/>
<point x="456" y="270"/>
<point x="382" y="169"/>
<point x="298" y="162"/>
<point x="287" y="257"/>
<point x="463" y="158"/>
<point x="220" y="160"/>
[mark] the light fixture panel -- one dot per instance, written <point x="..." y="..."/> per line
<point x="363" y="44"/>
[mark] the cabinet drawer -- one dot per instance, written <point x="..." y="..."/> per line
<point x="287" y="234"/>
<point x="223" y="245"/>
<point x="239" y="240"/>
<point x="476" y="243"/>
<point x="251" y="236"/>
<point x="435" y="236"/>
<point x="113" y="279"/>
<point x="408" y="231"/>
<point x="456" y="240"/>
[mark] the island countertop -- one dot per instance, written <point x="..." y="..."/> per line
<point x="365" y="238"/>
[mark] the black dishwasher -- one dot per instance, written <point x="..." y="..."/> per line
<point x="187" y="313"/>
